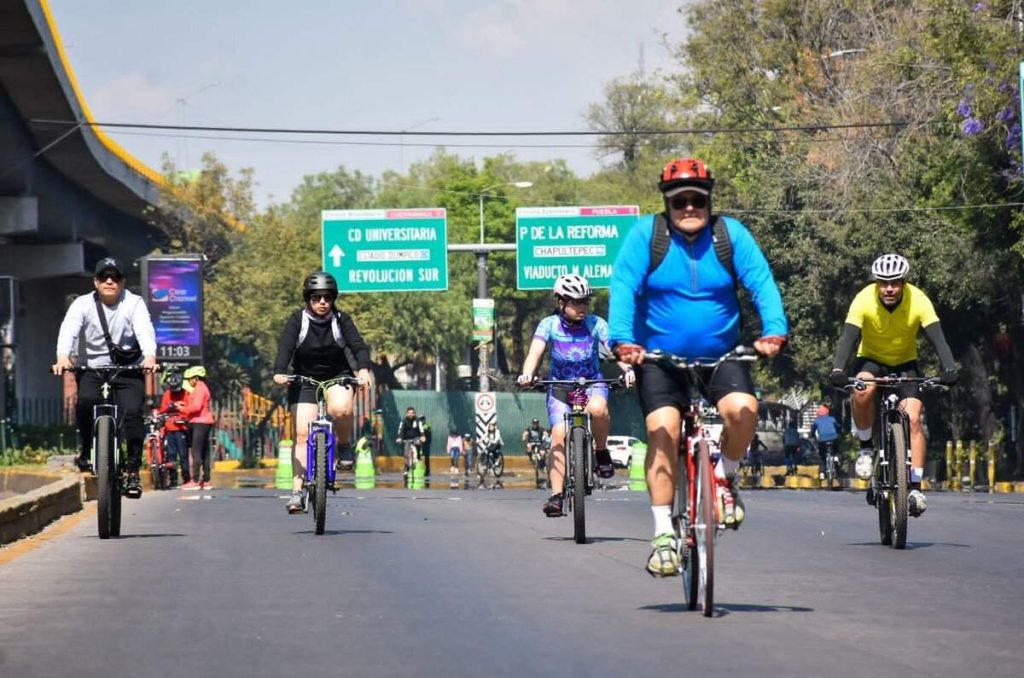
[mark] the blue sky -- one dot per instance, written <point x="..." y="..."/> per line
<point x="417" y="65"/>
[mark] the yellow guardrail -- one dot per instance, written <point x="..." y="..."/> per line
<point x="962" y="461"/>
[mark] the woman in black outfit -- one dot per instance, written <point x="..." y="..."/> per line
<point x="314" y="342"/>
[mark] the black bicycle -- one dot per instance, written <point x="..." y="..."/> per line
<point x="107" y="461"/>
<point x="830" y="469"/>
<point x="490" y="460"/>
<point x="579" y="478"/>
<point x="890" y="477"/>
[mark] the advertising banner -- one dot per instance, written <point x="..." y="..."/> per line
<point x="483" y="320"/>
<point x="174" y="294"/>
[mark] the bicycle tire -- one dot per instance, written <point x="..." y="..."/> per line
<point x="882" y="477"/>
<point x="684" y="536"/>
<point x="320" y="480"/>
<point x="498" y="467"/>
<point x="579" y="483"/>
<point x="899" y="492"/>
<point x="105" y="472"/>
<point x="155" y="462"/>
<point x="705" y="527"/>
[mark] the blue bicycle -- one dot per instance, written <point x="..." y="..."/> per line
<point x="320" y="450"/>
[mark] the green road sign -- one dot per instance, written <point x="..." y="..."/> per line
<point x="392" y="250"/>
<point x="552" y="241"/>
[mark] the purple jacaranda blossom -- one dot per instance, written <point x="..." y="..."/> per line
<point x="1005" y="87"/>
<point x="964" y="109"/>
<point x="1013" y="136"/>
<point x="978" y="6"/>
<point x="1007" y="114"/>
<point x="972" y="127"/>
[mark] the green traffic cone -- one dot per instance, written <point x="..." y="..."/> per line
<point x="637" y="468"/>
<point x="283" y="477"/>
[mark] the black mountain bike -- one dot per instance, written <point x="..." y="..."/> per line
<point x="579" y="478"/>
<point x="490" y="460"/>
<point x="890" y="479"/>
<point x="106" y="458"/>
<point x="830" y="470"/>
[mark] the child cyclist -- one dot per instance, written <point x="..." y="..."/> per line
<point x="577" y="341"/>
<point x="175" y="431"/>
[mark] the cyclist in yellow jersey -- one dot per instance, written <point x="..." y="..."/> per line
<point x="885" y="318"/>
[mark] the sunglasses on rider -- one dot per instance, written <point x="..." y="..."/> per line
<point x="104" y="277"/>
<point x="317" y="298"/>
<point x="681" y="202"/>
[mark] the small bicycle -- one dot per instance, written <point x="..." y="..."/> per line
<point x="490" y="460"/>
<point x="164" y="472"/>
<point x="695" y="506"/>
<point x="106" y="458"/>
<point x="320" y="450"/>
<point x="579" y="453"/>
<point x="890" y="479"/>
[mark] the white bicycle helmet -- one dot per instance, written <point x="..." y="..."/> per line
<point x="572" y="286"/>
<point x="890" y="267"/>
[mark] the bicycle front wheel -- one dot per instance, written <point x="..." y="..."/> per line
<point x="578" y="469"/>
<point x="898" y="491"/>
<point x="684" y="535"/>
<point x="320" y="480"/>
<point x="499" y="464"/>
<point x="704" y="528"/>
<point x="106" y="485"/>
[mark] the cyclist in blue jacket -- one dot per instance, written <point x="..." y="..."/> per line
<point x="826" y="431"/>
<point x="685" y="304"/>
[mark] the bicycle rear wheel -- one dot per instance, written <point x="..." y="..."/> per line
<point x="684" y="535"/>
<point x="320" y="480"/>
<point x="899" y="490"/>
<point x="578" y="441"/>
<point x="704" y="527"/>
<point x="499" y="464"/>
<point x="105" y="474"/>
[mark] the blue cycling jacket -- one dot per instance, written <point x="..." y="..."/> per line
<point x="688" y="305"/>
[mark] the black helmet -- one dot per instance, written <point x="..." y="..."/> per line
<point x="175" y="381"/>
<point x="535" y="421"/>
<point x="321" y="282"/>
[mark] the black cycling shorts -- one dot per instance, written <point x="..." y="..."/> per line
<point x="908" y="369"/>
<point x="304" y="392"/>
<point x="662" y="385"/>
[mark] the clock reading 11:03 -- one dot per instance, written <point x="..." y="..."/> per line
<point x="174" y="351"/>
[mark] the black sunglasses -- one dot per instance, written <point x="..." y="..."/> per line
<point x="680" y="202"/>
<point x="103" y="277"/>
<point x="316" y="298"/>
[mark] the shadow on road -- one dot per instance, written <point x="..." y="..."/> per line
<point x="723" y="610"/>
<point x="911" y="545"/>
<point x="596" y="540"/>
<point x="137" y="536"/>
<point x="346" y="532"/>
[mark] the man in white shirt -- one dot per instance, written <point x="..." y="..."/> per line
<point x="130" y="331"/>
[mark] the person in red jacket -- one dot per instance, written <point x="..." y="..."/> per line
<point x="200" y="420"/>
<point x="175" y="430"/>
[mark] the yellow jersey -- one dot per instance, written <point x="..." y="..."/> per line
<point x="890" y="337"/>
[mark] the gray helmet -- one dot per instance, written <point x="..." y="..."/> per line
<point x="319" y="282"/>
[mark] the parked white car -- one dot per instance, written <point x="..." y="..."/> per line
<point x="621" y="449"/>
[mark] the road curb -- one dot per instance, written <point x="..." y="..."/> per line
<point x="28" y="513"/>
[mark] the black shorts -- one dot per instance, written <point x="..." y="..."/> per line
<point x="662" y="385"/>
<point x="878" y="369"/>
<point x="304" y="392"/>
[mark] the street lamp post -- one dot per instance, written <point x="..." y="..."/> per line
<point x="481" y="278"/>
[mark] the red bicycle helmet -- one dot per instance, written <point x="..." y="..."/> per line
<point x="685" y="173"/>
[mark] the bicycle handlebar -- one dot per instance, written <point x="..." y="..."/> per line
<point x="580" y="382"/>
<point x="740" y="354"/>
<point x="108" y="369"/>
<point x="926" y="383"/>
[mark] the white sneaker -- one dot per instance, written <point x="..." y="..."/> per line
<point x="864" y="466"/>
<point x="917" y="504"/>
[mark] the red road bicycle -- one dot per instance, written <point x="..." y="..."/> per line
<point x="695" y="506"/>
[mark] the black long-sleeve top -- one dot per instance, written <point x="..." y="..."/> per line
<point x="320" y="356"/>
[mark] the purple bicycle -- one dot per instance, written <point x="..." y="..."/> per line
<point x="320" y="449"/>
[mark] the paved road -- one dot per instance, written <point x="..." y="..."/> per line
<point x="479" y="583"/>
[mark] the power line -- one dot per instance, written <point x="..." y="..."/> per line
<point x="285" y="130"/>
